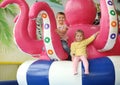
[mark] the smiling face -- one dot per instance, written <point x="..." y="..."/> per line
<point x="79" y="36"/>
<point x="60" y="18"/>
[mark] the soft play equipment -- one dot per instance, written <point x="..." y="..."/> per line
<point x="103" y="71"/>
<point x="52" y="68"/>
<point x="12" y="82"/>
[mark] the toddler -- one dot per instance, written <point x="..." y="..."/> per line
<point x="78" y="50"/>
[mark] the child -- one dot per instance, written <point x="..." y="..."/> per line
<point x="78" y="50"/>
<point x="61" y="30"/>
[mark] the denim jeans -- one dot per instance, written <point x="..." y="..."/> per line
<point x="66" y="48"/>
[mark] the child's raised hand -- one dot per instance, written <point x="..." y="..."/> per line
<point x="96" y="33"/>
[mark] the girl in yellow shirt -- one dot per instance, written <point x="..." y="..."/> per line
<point x="78" y="50"/>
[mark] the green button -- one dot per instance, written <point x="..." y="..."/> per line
<point x="112" y="12"/>
<point x="47" y="39"/>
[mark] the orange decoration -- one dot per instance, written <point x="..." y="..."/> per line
<point x="113" y="23"/>
<point x="44" y="15"/>
<point x="50" y="52"/>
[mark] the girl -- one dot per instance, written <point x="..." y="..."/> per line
<point x="78" y="50"/>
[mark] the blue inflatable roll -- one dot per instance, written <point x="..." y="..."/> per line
<point x="103" y="71"/>
<point x="9" y="82"/>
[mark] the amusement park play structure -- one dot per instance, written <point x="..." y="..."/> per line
<point x="103" y="53"/>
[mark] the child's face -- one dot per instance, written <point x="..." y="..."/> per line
<point x="60" y="19"/>
<point x="79" y="36"/>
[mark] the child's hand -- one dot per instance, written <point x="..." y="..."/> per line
<point x="96" y="33"/>
<point x="64" y="30"/>
<point x="61" y="34"/>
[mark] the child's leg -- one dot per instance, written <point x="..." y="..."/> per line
<point x="66" y="48"/>
<point x="85" y="63"/>
<point x="73" y="58"/>
<point x="75" y="64"/>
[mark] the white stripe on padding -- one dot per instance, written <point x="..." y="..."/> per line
<point x="61" y="73"/>
<point x="22" y="70"/>
<point x="116" y="63"/>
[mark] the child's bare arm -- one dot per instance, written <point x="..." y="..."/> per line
<point x="96" y="34"/>
<point x="60" y="33"/>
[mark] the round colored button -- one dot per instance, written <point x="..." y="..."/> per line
<point x="113" y="36"/>
<point x="50" y="52"/>
<point x="112" y="12"/>
<point x="110" y="3"/>
<point x="113" y="23"/>
<point x="46" y="26"/>
<point x="44" y="15"/>
<point x="47" y="39"/>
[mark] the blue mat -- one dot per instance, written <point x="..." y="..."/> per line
<point x="12" y="82"/>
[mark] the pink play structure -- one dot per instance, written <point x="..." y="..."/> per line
<point x="80" y="14"/>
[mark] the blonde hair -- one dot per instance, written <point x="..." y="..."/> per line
<point x="79" y="31"/>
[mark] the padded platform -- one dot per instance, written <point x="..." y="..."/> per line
<point x="12" y="82"/>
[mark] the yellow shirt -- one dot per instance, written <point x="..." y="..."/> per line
<point x="79" y="48"/>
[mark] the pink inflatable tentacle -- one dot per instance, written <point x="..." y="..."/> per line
<point x="50" y="37"/>
<point x="108" y="26"/>
<point x="32" y="28"/>
<point x="33" y="14"/>
<point x="22" y="38"/>
<point x="27" y="45"/>
<point x="16" y="18"/>
<point x="6" y="2"/>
